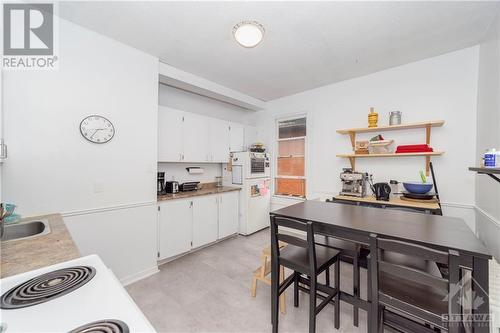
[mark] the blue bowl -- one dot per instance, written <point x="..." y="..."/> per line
<point x="418" y="187"/>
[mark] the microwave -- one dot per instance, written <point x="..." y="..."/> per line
<point x="252" y="165"/>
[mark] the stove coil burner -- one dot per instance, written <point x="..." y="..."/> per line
<point x="46" y="287"/>
<point x="103" y="326"/>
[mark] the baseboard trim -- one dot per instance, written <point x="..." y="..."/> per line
<point x="139" y="276"/>
<point x="487" y="216"/>
<point x="169" y="259"/>
<point x="457" y="205"/>
<point x="108" y="209"/>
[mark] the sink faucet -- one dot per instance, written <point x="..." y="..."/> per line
<point x="3" y="214"/>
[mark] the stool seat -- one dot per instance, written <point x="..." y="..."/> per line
<point x="297" y="258"/>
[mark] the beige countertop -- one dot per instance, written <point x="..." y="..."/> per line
<point x="20" y="256"/>
<point x="206" y="190"/>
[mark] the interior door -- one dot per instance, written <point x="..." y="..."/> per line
<point x="219" y="141"/>
<point x="228" y="214"/>
<point x="196" y="138"/>
<point x="236" y="138"/>
<point x="170" y="128"/>
<point x="175" y="228"/>
<point x="205" y="220"/>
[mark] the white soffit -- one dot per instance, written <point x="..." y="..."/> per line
<point x="175" y="77"/>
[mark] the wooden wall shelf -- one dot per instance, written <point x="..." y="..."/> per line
<point x="426" y="124"/>
<point x="492" y="172"/>
<point x="433" y="153"/>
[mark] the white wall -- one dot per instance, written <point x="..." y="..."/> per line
<point x="443" y="87"/>
<point x="52" y="168"/>
<point x="488" y="136"/>
<point x="178" y="172"/>
<point x="187" y="101"/>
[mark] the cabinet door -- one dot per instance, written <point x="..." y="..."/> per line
<point x="219" y="141"/>
<point x="196" y="138"/>
<point x="205" y="224"/>
<point x="236" y="137"/>
<point x="251" y="135"/>
<point x="228" y="214"/>
<point x="169" y="134"/>
<point x="175" y="228"/>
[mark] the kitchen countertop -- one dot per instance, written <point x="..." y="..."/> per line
<point x="394" y="201"/>
<point x="204" y="191"/>
<point x="20" y="256"/>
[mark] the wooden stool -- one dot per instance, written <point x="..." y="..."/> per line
<point x="264" y="270"/>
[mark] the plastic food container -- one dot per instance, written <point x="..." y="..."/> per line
<point x="380" y="147"/>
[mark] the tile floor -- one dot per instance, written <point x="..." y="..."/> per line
<point x="209" y="291"/>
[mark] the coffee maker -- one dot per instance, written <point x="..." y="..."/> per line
<point x="353" y="183"/>
<point x="160" y="189"/>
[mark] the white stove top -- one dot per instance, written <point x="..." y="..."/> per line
<point x="103" y="297"/>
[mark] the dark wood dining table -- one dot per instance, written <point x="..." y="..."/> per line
<point x="443" y="233"/>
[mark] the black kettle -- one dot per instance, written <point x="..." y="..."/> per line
<point x="381" y="191"/>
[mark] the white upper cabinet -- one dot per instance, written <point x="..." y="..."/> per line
<point x="196" y="138"/>
<point x="219" y="141"/>
<point x="170" y="129"/>
<point x="205" y="220"/>
<point x="190" y="137"/>
<point x="237" y="137"/>
<point x="251" y="135"/>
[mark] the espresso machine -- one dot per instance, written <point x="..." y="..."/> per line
<point x="353" y="183"/>
<point x="160" y="189"/>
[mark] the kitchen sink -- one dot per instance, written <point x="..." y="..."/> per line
<point x="25" y="230"/>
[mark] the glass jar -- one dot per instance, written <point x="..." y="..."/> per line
<point x="395" y="118"/>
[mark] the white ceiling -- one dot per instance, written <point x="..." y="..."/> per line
<point x="307" y="44"/>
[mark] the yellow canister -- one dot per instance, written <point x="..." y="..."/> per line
<point x="372" y="118"/>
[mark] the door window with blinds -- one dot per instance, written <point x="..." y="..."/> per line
<point x="290" y="174"/>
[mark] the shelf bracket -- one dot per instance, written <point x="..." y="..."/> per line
<point x="493" y="176"/>
<point x="353" y="163"/>
<point x="352" y="136"/>
<point x="427" y="165"/>
<point x="428" y="134"/>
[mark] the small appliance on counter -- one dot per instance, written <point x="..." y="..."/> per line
<point x="381" y="191"/>
<point x="188" y="186"/>
<point x="353" y="183"/>
<point x="172" y="187"/>
<point x="161" y="184"/>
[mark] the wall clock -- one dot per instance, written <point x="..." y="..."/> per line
<point x="97" y="129"/>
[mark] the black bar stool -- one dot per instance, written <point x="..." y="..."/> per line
<point x="305" y="259"/>
<point x="404" y="296"/>
<point x="353" y="254"/>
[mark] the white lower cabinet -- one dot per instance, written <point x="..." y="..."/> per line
<point x="174" y="228"/>
<point x="186" y="224"/>
<point x="205" y="220"/>
<point x="228" y="214"/>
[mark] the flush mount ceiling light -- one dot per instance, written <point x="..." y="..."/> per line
<point x="248" y="33"/>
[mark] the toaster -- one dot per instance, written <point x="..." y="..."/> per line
<point x="171" y="187"/>
<point x="188" y="186"/>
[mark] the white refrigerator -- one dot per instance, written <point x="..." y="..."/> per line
<point x="251" y="172"/>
